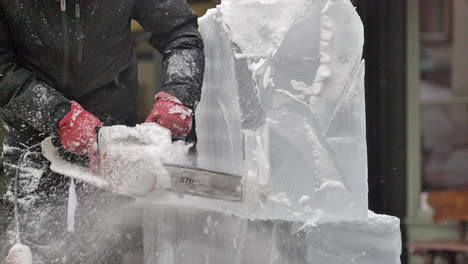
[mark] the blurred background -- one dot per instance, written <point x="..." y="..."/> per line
<point x="416" y="53"/>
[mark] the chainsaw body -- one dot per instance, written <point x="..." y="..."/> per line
<point x="137" y="161"/>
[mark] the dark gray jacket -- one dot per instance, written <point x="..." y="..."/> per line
<point x="54" y="51"/>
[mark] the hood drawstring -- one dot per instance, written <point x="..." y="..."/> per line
<point x="20" y="253"/>
<point x="79" y="32"/>
<point x="63" y="5"/>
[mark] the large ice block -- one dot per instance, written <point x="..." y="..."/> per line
<point x="283" y="106"/>
<point x="186" y="235"/>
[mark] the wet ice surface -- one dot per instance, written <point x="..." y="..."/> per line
<point x="282" y="107"/>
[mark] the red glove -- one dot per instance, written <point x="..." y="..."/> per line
<point x="78" y="133"/>
<point x="170" y="113"/>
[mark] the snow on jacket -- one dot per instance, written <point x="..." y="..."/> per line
<point x="55" y="51"/>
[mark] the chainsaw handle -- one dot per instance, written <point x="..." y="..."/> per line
<point x="67" y="155"/>
<point x="67" y="168"/>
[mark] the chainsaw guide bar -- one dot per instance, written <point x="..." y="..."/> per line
<point x="184" y="179"/>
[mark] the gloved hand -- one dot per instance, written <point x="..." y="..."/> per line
<point x="170" y="113"/>
<point x="77" y="131"/>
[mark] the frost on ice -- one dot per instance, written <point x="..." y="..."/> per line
<point x="283" y="108"/>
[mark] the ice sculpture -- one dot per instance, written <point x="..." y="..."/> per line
<point x="282" y="107"/>
<point x="300" y="114"/>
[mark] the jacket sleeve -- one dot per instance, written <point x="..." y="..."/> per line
<point x="22" y="95"/>
<point x="175" y="35"/>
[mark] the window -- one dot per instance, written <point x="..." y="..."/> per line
<point x="443" y="93"/>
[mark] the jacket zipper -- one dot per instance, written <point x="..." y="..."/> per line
<point x="79" y="31"/>
<point x="63" y="8"/>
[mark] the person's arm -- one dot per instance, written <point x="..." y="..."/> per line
<point x="22" y="94"/>
<point x="175" y="35"/>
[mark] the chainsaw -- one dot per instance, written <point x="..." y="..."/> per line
<point x="129" y="167"/>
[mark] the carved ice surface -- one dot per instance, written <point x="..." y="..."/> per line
<point x="282" y="107"/>
<point x="195" y="236"/>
